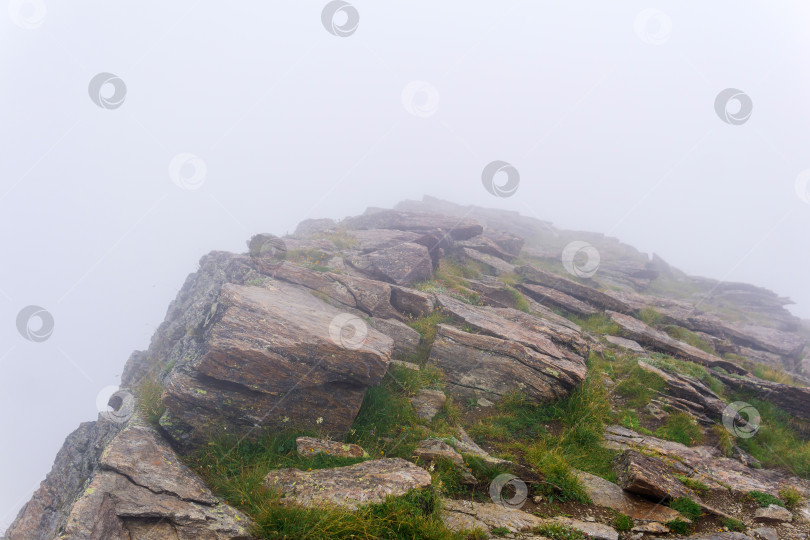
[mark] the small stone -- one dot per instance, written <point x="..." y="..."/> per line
<point x="432" y="449"/>
<point x="309" y="446"/>
<point x="427" y="403"/>
<point x="652" y="527"/>
<point x="403" y="363"/>
<point x="766" y="533"/>
<point x="773" y="513"/>
<point x="590" y="518"/>
<point x="484" y="402"/>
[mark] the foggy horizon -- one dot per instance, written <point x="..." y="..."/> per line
<point x="138" y="139"/>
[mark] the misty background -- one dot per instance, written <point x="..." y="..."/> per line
<point x="607" y="112"/>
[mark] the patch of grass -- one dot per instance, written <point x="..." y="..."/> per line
<point x="451" y="279"/>
<point x="679" y="526"/>
<point x="734" y="524"/>
<point x="518" y="300"/>
<point x="725" y="440"/>
<point x="387" y="424"/>
<point x="556" y="531"/>
<point x="687" y="336"/>
<point x="341" y="239"/>
<point x="517" y="425"/>
<point x="764" y="499"/>
<point x="634" y="383"/>
<point x="687" y="507"/>
<point x="691" y="369"/>
<point x="426" y="326"/>
<point x="622" y="523"/>
<point x="148" y="397"/>
<point x="695" y="485"/>
<point x="791" y="496"/>
<point x="598" y="324"/>
<point x="777" y="443"/>
<point x="681" y="427"/>
<point x="650" y="316"/>
<point x="235" y="470"/>
<point x="500" y="531"/>
<point x="769" y="373"/>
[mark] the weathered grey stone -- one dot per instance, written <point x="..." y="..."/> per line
<point x="607" y="494"/>
<point x="652" y="527"/>
<point x="554" y="298"/>
<point x="402" y="264"/>
<point x="493" y="264"/>
<point x="349" y="487"/>
<point x="584" y="293"/>
<point x="765" y="533"/>
<point x="773" y="512"/>
<point x="647" y="476"/>
<point x="406" y="339"/>
<point x="628" y="344"/>
<point x="598" y="531"/>
<point x="461" y="515"/>
<point x="457" y="229"/>
<point x="428" y="403"/>
<point x="309" y="446"/>
<point x="433" y="449"/>
<point x="270" y="356"/>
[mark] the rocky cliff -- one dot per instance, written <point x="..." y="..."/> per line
<point x="479" y="319"/>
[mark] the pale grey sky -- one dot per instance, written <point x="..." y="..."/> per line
<point x="607" y="110"/>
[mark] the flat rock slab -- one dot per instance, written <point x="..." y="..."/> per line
<point x="647" y="476"/>
<point x="591" y="295"/>
<point x="628" y="344"/>
<point x="653" y="527"/>
<point x="348" y="487"/>
<point x="467" y="515"/>
<point x="793" y="399"/>
<point x="403" y="264"/>
<point x="495" y="265"/>
<point x="309" y="446"/>
<point x="478" y="366"/>
<point x="554" y="298"/>
<point x="433" y="449"/>
<point x="765" y="533"/>
<point x="428" y="403"/>
<point x="773" y="513"/>
<point x="406" y="339"/>
<point x="598" y="531"/>
<point x="639" y="331"/>
<point x="608" y="495"/>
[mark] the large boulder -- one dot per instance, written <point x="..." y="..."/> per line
<point x="647" y="476"/>
<point x="477" y="366"/>
<point x="138" y="488"/>
<point x="348" y="487"/>
<point x="269" y="356"/>
<point x="557" y="299"/>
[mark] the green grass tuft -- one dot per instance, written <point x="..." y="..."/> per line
<point x="681" y="427"/>
<point x="734" y="524"/>
<point x="764" y="499"/>
<point x="556" y="531"/>
<point x="623" y="523"/>
<point x="687" y="507"/>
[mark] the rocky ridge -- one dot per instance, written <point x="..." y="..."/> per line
<point x="291" y="335"/>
